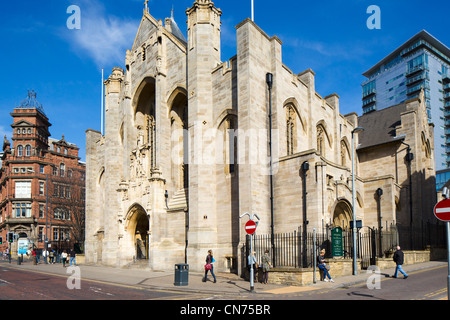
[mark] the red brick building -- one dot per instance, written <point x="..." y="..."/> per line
<point x="42" y="184"/>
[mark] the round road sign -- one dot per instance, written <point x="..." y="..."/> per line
<point x="250" y="227"/>
<point x="442" y="210"/>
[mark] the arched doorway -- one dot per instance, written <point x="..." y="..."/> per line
<point x="342" y="215"/>
<point x="138" y="227"/>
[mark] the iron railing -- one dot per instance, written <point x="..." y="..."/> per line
<point x="295" y="249"/>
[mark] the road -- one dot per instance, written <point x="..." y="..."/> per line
<point x="16" y="284"/>
<point x="427" y="284"/>
<point x="29" y="285"/>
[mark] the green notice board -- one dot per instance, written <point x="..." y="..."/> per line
<point x="337" y="249"/>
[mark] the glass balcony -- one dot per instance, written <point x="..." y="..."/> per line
<point x="416" y="69"/>
<point x="415" y="79"/>
<point x="369" y="92"/>
<point x="418" y="87"/>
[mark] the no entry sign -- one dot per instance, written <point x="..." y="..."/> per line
<point x="250" y="227"/>
<point x="442" y="210"/>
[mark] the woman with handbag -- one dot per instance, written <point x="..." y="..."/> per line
<point x="209" y="266"/>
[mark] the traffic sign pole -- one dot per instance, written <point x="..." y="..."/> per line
<point x="250" y="228"/>
<point x="252" y="285"/>
<point x="448" y="260"/>
<point x="442" y="212"/>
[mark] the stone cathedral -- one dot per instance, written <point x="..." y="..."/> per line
<point x="192" y="142"/>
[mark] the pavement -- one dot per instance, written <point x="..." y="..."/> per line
<point x="227" y="285"/>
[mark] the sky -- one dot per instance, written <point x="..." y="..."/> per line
<point x="64" y="65"/>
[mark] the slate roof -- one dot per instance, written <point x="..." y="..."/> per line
<point x="379" y="126"/>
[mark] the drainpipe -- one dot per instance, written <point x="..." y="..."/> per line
<point x="305" y="168"/>
<point x="269" y="81"/>
<point x="409" y="158"/>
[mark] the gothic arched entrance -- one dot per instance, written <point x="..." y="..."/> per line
<point x="138" y="227"/>
<point x="342" y="215"/>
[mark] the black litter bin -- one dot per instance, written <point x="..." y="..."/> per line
<point x="181" y="274"/>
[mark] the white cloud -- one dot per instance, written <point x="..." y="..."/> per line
<point x="104" y="38"/>
<point x="5" y="132"/>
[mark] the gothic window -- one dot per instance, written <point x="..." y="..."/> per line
<point x="143" y="52"/>
<point x="230" y="145"/>
<point x="290" y="129"/>
<point x="343" y="153"/>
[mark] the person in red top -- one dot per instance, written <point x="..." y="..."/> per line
<point x="34" y="257"/>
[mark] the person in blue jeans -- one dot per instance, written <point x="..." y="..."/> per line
<point x="323" y="266"/>
<point x="72" y="256"/>
<point x="399" y="259"/>
<point x="209" y="261"/>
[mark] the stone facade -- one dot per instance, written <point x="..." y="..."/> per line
<point x="186" y="150"/>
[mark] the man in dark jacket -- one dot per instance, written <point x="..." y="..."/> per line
<point x="398" y="259"/>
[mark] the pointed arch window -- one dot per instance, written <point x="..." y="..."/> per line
<point x="290" y="130"/>
<point x="344" y="152"/>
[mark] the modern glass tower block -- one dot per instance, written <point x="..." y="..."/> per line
<point x="422" y="62"/>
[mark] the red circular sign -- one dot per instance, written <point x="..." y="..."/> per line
<point x="442" y="210"/>
<point x="250" y="227"/>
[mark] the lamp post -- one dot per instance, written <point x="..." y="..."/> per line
<point x="356" y="130"/>
<point x="380" y="226"/>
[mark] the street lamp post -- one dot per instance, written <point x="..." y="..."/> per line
<point x="356" y="130"/>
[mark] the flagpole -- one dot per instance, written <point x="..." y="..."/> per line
<point x="253" y="15"/>
<point x="101" y="129"/>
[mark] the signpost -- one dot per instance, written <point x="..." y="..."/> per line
<point x="250" y="228"/>
<point x="442" y="212"/>
<point x="337" y="249"/>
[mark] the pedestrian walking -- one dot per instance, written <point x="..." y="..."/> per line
<point x="323" y="266"/>
<point x="251" y="263"/>
<point x="64" y="258"/>
<point x="209" y="266"/>
<point x="52" y="256"/>
<point x="399" y="259"/>
<point x="45" y="255"/>
<point x="34" y="257"/>
<point x="265" y="261"/>
<point x="72" y="256"/>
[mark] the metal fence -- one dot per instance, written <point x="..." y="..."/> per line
<point x="296" y="250"/>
